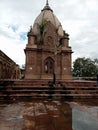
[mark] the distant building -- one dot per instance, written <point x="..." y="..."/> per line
<point x="8" y="68"/>
<point x="47" y="51"/>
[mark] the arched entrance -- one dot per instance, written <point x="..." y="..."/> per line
<point x="49" y="66"/>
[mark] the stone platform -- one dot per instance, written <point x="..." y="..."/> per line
<point x="63" y="89"/>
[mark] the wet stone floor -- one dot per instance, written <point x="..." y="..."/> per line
<point x="49" y="115"/>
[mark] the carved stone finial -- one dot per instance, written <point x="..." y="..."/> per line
<point x="47" y="7"/>
<point x="47" y="3"/>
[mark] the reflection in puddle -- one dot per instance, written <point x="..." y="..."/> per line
<point x="40" y="109"/>
<point x="48" y="115"/>
<point x="84" y="117"/>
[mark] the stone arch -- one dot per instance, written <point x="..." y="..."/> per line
<point x="49" y="65"/>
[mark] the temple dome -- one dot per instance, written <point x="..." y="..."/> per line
<point x="47" y="15"/>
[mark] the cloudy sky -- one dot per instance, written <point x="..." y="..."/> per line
<point x="78" y="17"/>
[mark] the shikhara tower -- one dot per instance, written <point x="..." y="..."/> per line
<point x="47" y="50"/>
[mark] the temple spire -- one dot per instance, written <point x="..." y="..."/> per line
<point x="47" y="7"/>
<point x="47" y="3"/>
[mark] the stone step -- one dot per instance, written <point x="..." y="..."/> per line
<point x="44" y="86"/>
<point x="45" y="90"/>
<point x="44" y="94"/>
<point x="40" y="89"/>
<point x="47" y="95"/>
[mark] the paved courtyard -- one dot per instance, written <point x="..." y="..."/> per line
<point x="49" y="115"/>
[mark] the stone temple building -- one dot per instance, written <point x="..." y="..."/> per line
<point x="8" y="68"/>
<point x="47" y="51"/>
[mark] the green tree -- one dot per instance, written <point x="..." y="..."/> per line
<point x="85" y="67"/>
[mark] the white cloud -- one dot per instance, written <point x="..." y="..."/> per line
<point x="78" y="17"/>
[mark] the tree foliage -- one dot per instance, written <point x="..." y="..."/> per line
<point x="85" y="67"/>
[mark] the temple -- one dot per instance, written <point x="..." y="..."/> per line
<point x="47" y="51"/>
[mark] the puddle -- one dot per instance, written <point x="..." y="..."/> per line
<point x="49" y="115"/>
